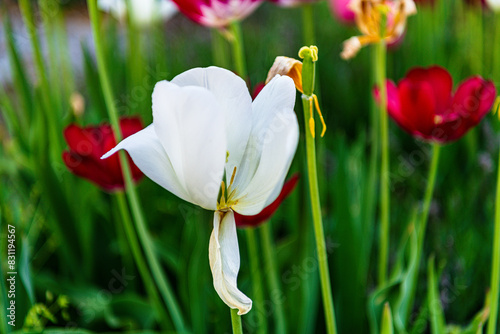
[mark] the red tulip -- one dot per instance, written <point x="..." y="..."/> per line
<point x="267" y="212"/>
<point x="424" y="106"/>
<point x="87" y="146"/>
<point x="216" y="13"/>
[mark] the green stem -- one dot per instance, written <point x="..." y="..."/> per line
<point x="139" y="260"/>
<point x="431" y="181"/>
<point x="272" y="277"/>
<point x="139" y="220"/>
<point x="326" y="288"/>
<point x="495" y="263"/>
<point x="308" y="24"/>
<point x="238" y="50"/>
<point x="136" y="65"/>
<point x="219" y="50"/>
<point x="496" y="52"/>
<point x="255" y="268"/>
<point x="236" y="322"/>
<point x="380" y="66"/>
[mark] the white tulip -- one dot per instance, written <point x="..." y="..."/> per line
<point x="209" y="138"/>
<point x="143" y="12"/>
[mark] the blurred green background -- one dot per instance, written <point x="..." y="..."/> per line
<point x="70" y="243"/>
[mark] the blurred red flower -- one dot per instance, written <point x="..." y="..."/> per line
<point x="341" y="10"/>
<point x="86" y="147"/>
<point x="424" y="106"/>
<point x="267" y="212"/>
<point x="217" y="13"/>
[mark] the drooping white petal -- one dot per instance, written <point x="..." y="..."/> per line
<point x="270" y="149"/>
<point x="224" y="257"/>
<point x="232" y="94"/>
<point x="149" y="155"/>
<point x="190" y="125"/>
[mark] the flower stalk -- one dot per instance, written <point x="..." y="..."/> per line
<point x="310" y="56"/>
<point x="139" y="259"/>
<point x="272" y="276"/>
<point x="258" y="292"/>
<point x="495" y="261"/>
<point x="308" y="24"/>
<point x="161" y="281"/>
<point x="238" y="50"/>
<point x="236" y="322"/>
<point x="380" y="67"/>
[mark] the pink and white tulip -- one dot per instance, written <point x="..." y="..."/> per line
<point x="217" y="13"/>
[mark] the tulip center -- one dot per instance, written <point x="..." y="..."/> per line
<point x="227" y="199"/>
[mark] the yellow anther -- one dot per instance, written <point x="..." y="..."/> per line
<point x="227" y="156"/>
<point x="311" y="51"/>
<point x="438" y="119"/>
<point x="316" y="103"/>
<point x="232" y="177"/>
<point x="312" y="125"/>
<point x="496" y="107"/>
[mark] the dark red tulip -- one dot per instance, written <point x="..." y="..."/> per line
<point x="424" y="106"/>
<point x="267" y="212"/>
<point x="88" y="144"/>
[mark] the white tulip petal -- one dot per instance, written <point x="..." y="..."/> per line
<point x="225" y="262"/>
<point x="280" y="143"/>
<point x="277" y="95"/>
<point x="190" y="126"/>
<point x="232" y="94"/>
<point x="270" y="149"/>
<point x="149" y="155"/>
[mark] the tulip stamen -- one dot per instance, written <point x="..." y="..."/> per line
<point x="227" y="194"/>
<point x="313" y="102"/>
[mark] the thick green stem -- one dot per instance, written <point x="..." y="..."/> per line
<point x="220" y="52"/>
<point x="238" y="50"/>
<point x="258" y="292"/>
<point x="326" y="287"/>
<point x="380" y="66"/>
<point x="495" y="263"/>
<point x="139" y="260"/>
<point x="236" y="322"/>
<point x="272" y="277"/>
<point x="308" y="24"/>
<point x="147" y="244"/>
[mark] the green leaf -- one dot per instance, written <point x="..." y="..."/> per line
<point x="434" y="303"/>
<point x="387" y="326"/>
<point x="24" y="269"/>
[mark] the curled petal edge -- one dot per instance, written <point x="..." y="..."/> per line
<point x="224" y="258"/>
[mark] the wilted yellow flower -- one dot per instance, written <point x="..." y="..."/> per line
<point x="289" y="67"/>
<point x="370" y="18"/>
<point x="293" y="68"/>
